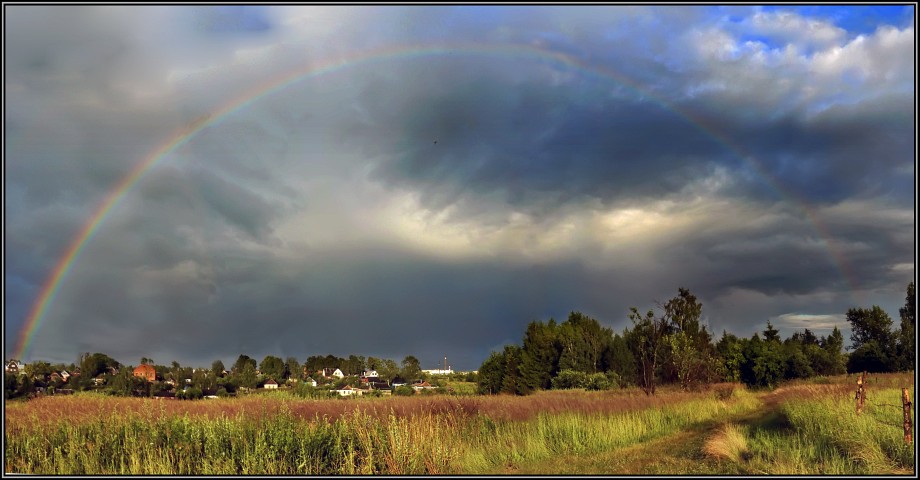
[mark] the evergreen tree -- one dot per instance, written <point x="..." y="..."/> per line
<point x="511" y="381"/>
<point x="491" y="374"/>
<point x="540" y="356"/>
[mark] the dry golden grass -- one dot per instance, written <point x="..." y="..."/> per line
<point x="728" y="443"/>
<point x="78" y="409"/>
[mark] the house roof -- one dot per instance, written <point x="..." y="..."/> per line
<point x="271" y="382"/>
<point x="144" y="369"/>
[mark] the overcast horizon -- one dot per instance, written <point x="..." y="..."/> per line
<point x="389" y="181"/>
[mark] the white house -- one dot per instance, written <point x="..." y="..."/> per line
<point x="331" y="372"/>
<point x="271" y="384"/>
<point x="348" y="391"/>
<point x="370" y="373"/>
<point x="439" y="371"/>
<point x="310" y="381"/>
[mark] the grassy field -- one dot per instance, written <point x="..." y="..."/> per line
<point x="803" y="428"/>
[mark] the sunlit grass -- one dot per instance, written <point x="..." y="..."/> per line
<point x="797" y="429"/>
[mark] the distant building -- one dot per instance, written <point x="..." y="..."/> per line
<point x="422" y="386"/>
<point x="310" y="381"/>
<point x="348" y="391"/>
<point x="147" y="372"/>
<point x="14" y="366"/>
<point x="330" y="372"/>
<point x="440" y="371"/>
<point x="271" y="384"/>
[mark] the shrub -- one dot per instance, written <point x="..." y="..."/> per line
<point x="597" y="381"/>
<point x="404" y="390"/>
<point x="570" y="379"/>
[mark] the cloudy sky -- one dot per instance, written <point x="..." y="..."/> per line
<point x="387" y="181"/>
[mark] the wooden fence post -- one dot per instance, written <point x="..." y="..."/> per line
<point x="860" y="393"/>
<point x="908" y="425"/>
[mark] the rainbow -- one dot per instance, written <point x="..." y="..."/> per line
<point x="65" y="264"/>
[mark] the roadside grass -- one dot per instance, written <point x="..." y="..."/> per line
<point x="512" y="446"/>
<point x="729" y="443"/>
<point x="809" y="434"/>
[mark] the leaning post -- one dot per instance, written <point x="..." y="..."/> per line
<point x="908" y="425"/>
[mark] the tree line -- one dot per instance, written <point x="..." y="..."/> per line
<point x="671" y="346"/>
<point x="98" y="371"/>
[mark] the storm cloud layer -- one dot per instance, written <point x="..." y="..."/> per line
<point x="492" y="166"/>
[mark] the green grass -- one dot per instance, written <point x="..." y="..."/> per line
<point x="511" y="444"/>
<point x="463" y="388"/>
<point x="799" y="429"/>
<point x="824" y="435"/>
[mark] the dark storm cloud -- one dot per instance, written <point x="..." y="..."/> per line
<point x="530" y="141"/>
<point x="435" y="205"/>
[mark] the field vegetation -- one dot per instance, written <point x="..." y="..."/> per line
<point x="799" y="428"/>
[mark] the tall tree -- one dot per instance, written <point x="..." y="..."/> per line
<point x="491" y="374"/>
<point x="833" y="345"/>
<point x="874" y="344"/>
<point x="388" y="369"/>
<point x="291" y="368"/>
<point x="217" y="367"/>
<point x="511" y="382"/>
<point x="619" y="359"/>
<point x="729" y="349"/>
<point x="411" y="368"/>
<point x="272" y="367"/>
<point x="771" y="334"/>
<point x="247" y="374"/>
<point x="540" y="356"/>
<point x="686" y="341"/>
<point x="868" y="325"/>
<point x="242" y="361"/>
<point x="645" y="340"/>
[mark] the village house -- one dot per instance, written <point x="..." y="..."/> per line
<point x="330" y="373"/>
<point x="310" y="381"/>
<point x="348" y="391"/>
<point x="65" y="375"/>
<point x="382" y="387"/>
<point x="14" y="366"/>
<point x="147" y="372"/>
<point x="271" y="384"/>
<point x="422" y="386"/>
<point x="99" y="380"/>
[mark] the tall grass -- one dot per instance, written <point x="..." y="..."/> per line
<point x="510" y="443"/>
<point x="277" y="435"/>
<point x="810" y="429"/>
<point x="822" y="434"/>
<point x="275" y="445"/>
